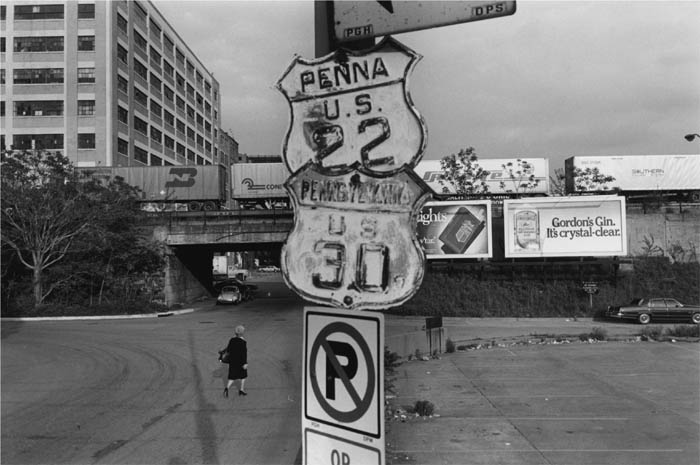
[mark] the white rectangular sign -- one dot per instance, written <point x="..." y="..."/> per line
<point x="455" y="229"/>
<point x="343" y="391"/>
<point x="355" y="20"/>
<point x="589" y="226"/>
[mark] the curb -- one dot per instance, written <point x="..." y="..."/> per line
<point x="102" y="317"/>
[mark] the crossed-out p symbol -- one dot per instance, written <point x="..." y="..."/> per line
<point x="341" y="366"/>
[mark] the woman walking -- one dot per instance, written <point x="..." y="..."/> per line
<point x="237" y="361"/>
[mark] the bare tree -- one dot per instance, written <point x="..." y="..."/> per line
<point x="521" y="177"/>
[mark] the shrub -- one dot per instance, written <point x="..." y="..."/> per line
<point x="449" y="346"/>
<point x="684" y="331"/>
<point x="424" y="408"/>
<point x="651" y="332"/>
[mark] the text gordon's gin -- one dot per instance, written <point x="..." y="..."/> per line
<point x="461" y="231"/>
<point x="527" y="230"/>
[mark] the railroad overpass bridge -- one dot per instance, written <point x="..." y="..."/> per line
<point x="192" y="238"/>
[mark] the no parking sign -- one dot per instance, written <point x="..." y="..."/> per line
<point x="343" y="411"/>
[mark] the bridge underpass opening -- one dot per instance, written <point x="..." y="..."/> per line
<point x="189" y="274"/>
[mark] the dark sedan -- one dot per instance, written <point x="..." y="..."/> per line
<point x="658" y="309"/>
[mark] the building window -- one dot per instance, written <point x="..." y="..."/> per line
<point x="155" y="56"/>
<point x="3" y="14"/>
<point x="140" y="42"/>
<point x="200" y="160"/>
<point x="156" y="109"/>
<point x="190" y="134"/>
<point x="140" y="97"/>
<point x="39" y="12"/>
<point x="207" y="127"/>
<point x="168" y="44"/>
<point x="199" y="99"/>
<point x="155" y="82"/>
<point x="190" y="155"/>
<point x="207" y="88"/>
<point x="180" y="149"/>
<point x="200" y="140"/>
<point x="180" y="126"/>
<point x="39" y="108"/>
<point x="122" y="54"/>
<point x="156" y="135"/>
<point x="169" y="142"/>
<point x="86" y="11"/>
<point x="139" y="10"/>
<point x="190" y="67"/>
<point x="200" y="120"/>
<point x="86" y="107"/>
<point x="190" y="112"/>
<point x="123" y="115"/>
<point x="190" y="90"/>
<point x="140" y="125"/>
<point x="168" y="69"/>
<point x="86" y="43"/>
<point x="123" y="147"/>
<point x="155" y="29"/>
<point x="168" y="93"/>
<point x="180" y="57"/>
<point x="179" y="80"/>
<point x="38" y="76"/>
<point x="156" y="160"/>
<point x="140" y="155"/>
<point x="86" y="141"/>
<point x="180" y="103"/>
<point x="37" y="141"/>
<point x="169" y="118"/>
<point x="140" y="69"/>
<point x="122" y="84"/>
<point x="86" y="75"/>
<point x="207" y="108"/>
<point x="38" y="44"/>
<point x="122" y="24"/>
<point x="207" y="147"/>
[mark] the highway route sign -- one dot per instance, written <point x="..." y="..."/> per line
<point x="352" y="108"/>
<point x="343" y="391"/>
<point x="354" y="20"/>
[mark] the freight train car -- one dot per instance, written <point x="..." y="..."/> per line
<point x="260" y="186"/>
<point x="637" y="177"/>
<point x="503" y="180"/>
<point x="174" y="188"/>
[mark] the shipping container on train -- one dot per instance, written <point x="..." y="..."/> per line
<point x="174" y="188"/>
<point x="673" y="177"/>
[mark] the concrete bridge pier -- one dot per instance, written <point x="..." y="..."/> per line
<point x="188" y="274"/>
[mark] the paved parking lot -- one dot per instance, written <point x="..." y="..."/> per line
<point x="605" y="403"/>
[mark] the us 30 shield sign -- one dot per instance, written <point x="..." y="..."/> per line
<point x="351" y="108"/>
<point x="354" y="243"/>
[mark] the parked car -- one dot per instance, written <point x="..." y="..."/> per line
<point x="246" y="290"/>
<point x="229" y="295"/>
<point x="658" y="309"/>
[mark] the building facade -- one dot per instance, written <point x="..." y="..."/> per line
<point x="108" y="83"/>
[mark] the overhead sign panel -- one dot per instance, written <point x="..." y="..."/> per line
<point x="353" y="20"/>
<point x="343" y="392"/>
<point x="455" y="229"/>
<point x="586" y="226"/>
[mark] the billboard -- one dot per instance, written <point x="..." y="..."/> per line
<point x="586" y="226"/>
<point x="455" y="229"/>
<point x="499" y="179"/>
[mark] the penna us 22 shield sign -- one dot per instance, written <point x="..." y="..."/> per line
<point x="352" y="143"/>
<point x="350" y="107"/>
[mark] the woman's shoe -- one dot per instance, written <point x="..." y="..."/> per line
<point x="225" y="392"/>
<point x="242" y="393"/>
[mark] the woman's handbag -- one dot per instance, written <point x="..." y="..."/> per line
<point x="223" y="356"/>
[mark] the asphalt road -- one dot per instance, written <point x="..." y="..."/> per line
<point x="149" y="391"/>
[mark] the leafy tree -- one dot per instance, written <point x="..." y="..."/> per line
<point x="591" y="180"/>
<point x="61" y="225"/>
<point x="521" y="176"/>
<point x="464" y="173"/>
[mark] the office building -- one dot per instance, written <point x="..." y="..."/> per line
<point x="108" y="83"/>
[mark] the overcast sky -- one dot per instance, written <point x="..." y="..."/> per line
<point x="553" y="80"/>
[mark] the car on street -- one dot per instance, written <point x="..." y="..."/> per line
<point x="247" y="290"/>
<point x="657" y="309"/>
<point x="229" y="295"/>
